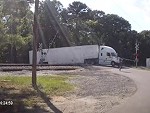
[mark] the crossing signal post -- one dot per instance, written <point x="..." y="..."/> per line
<point x="136" y="49"/>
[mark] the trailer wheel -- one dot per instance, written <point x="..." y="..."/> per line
<point x="113" y="64"/>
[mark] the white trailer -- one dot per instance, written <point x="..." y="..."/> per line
<point x="102" y="55"/>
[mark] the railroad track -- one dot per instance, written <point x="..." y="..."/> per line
<point x="20" y="67"/>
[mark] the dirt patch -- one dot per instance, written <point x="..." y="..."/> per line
<point x="97" y="91"/>
<point x="87" y="104"/>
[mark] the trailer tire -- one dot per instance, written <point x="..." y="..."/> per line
<point x="113" y="64"/>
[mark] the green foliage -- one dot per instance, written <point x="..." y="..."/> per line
<point x="51" y="29"/>
<point x="144" y="45"/>
<point x="16" y="30"/>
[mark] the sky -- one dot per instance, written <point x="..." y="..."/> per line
<point x="137" y="12"/>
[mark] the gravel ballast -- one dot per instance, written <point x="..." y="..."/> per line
<point x="99" y="83"/>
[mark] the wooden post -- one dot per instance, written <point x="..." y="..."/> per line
<point x="35" y="36"/>
<point x="136" y="53"/>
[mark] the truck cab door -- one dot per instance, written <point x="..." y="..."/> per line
<point x="108" y="58"/>
<point x="101" y="58"/>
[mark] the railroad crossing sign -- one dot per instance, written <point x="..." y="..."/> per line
<point x="40" y="46"/>
<point x="137" y="46"/>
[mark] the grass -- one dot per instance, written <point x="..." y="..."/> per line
<point x="51" y="85"/>
<point x="54" y="85"/>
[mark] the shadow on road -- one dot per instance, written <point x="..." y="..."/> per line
<point x="125" y="67"/>
<point x="47" y="100"/>
<point x="17" y="97"/>
<point x="22" y="99"/>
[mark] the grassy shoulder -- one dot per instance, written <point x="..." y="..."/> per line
<point x="54" y="85"/>
<point x="51" y="85"/>
<point x="20" y="91"/>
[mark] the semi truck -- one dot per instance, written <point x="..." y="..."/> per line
<point x="86" y="54"/>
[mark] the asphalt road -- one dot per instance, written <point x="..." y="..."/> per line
<point x="140" y="101"/>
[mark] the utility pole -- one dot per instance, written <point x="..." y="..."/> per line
<point x="136" y="53"/>
<point x="35" y="36"/>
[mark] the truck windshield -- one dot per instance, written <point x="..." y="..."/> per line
<point x="113" y="54"/>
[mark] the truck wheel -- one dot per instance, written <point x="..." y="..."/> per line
<point x="113" y="64"/>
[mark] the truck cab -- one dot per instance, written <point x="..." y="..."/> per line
<point x="108" y="56"/>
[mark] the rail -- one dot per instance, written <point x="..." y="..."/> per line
<point x="20" y="67"/>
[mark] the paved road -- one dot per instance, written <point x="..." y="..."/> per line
<point x="140" y="101"/>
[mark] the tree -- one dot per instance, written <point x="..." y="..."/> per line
<point x="51" y="27"/>
<point x="144" y="44"/>
<point x="112" y="30"/>
<point x="17" y="29"/>
<point x="78" y="13"/>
